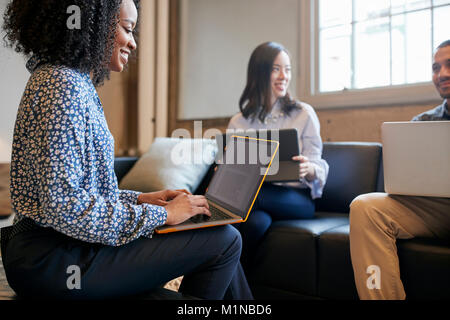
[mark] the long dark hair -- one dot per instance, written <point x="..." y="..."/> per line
<point x="40" y="28"/>
<point x="255" y="101"/>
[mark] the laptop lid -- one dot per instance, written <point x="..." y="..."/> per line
<point x="287" y="137"/>
<point x="283" y="168"/>
<point x="416" y="158"/>
<point x="240" y="173"/>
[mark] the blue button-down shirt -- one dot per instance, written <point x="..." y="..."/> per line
<point x="440" y="113"/>
<point x="62" y="166"/>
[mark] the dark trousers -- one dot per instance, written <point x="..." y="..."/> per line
<point x="40" y="263"/>
<point x="273" y="203"/>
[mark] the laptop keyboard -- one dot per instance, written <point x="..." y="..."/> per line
<point x="216" y="215"/>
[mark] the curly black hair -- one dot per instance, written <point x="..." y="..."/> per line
<point x="39" y="27"/>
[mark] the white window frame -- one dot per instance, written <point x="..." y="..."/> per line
<point x="409" y="94"/>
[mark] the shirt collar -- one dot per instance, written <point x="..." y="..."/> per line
<point x="35" y="61"/>
<point x="276" y="107"/>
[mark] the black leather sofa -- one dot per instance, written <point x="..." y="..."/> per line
<point x="310" y="259"/>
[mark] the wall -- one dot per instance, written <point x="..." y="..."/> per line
<point x="216" y="40"/>
<point x="119" y="107"/>
<point x="352" y="124"/>
<point x="364" y="124"/>
<point x="13" y="78"/>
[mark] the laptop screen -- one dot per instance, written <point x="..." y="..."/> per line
<point x="239" y="173"/>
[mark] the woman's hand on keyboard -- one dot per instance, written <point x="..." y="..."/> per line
<point x="185" y="206"/>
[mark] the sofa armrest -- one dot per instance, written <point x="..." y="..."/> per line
<point x="122" y="165"/>
<point x="380" y="181"/>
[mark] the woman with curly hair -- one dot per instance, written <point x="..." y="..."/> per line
<point x="71" y="218"/>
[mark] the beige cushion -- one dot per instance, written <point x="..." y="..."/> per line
<point x="171" y="163"/>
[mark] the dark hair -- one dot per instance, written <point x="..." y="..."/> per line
<point x="255" y="101"/>
<point x="39" y="27"/>
<point x="444" y="44"/>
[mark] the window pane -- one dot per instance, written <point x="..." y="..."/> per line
<point x="399" y="39"/>
<point x="401" y="6"/>
<point x="332" y="12"/>
<point x="335" y="59"/>
<point x="388" y="42"/>
<point x="369" y="9"/>
<point x="411" y="54"/>
<point x="372" y="54"/>
<point x="441" y="25"/>
<point x="439" y="2"/>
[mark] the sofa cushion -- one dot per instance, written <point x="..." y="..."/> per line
<point x="424" y="268"/>
<point x="353" y="171"/>
<point x="287" y="257"/>
<point x="336" y="279"/>
<point x="424" y="265"/>
<point x="171" y="163"/>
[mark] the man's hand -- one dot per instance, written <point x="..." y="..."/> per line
<point x="160" y="198"/>
<point x="307" y="170"/>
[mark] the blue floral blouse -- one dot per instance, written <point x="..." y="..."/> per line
<point x="62" y="166"/>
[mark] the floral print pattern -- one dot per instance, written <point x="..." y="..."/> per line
<point x="62" y="166"/>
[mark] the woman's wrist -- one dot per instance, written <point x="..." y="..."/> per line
<point x="311" y="176"/>
<point x="139" y="199"/>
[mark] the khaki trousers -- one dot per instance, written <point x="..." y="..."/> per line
<point x="376" y="221"/>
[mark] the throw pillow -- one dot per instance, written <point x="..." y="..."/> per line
<point x="171" y="163"/>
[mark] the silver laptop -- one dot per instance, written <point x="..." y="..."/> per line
<point x="416" y="158"/>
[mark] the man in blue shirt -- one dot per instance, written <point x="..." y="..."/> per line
<point x="378" y="219"/>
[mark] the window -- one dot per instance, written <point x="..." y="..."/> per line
<point x="365" y="46"/>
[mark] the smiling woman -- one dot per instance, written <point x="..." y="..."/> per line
<point x="266" y="104"/>
<point x="75" y="233"/>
